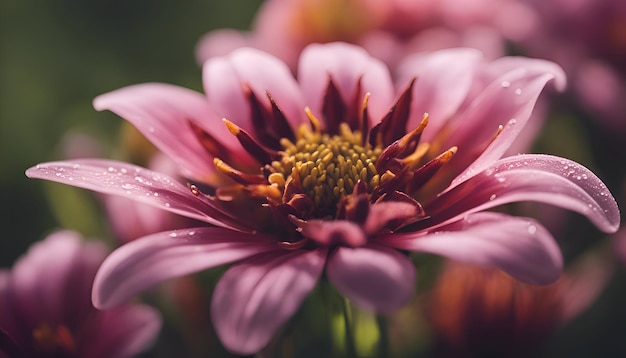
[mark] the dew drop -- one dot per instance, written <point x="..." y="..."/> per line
<point x="111" y="169"/>
<point x="173" y="234"/>
<point x="155" y="194"/>
<point x="76" y="166"/>
<point x="512" y="121"/>
<point x="124" y="171"/>
<point x="194" y="190"/>
<point x="505" y="84"/>
<point x="58" y="174"/>
<point x="192" y="233"/>
<point x="167" y="205"/>
<point x="492" y="197"/>
<point x="127" y="186"/>
<point x="518" y="91"/>
<point x="532" y="229"/>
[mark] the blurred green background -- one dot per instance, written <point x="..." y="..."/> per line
<point x="56" y="56"/>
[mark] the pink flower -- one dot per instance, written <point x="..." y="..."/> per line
<point x="481" y="312"/>
<point x="389" y="30"/>
<point x="46" y="310"/>
<point x="587" y="38"/>
<point x="340" y="172"/>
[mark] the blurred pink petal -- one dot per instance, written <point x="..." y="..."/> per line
<point x="376" y="278"/>
<point x="257" y="296"/>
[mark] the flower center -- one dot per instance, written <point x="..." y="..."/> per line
<point x="326" y="167"/>
<point x="57" y="342"/>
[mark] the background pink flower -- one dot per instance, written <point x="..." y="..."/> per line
<point x="46" y="310"/>
<point x="587" y="38"/>
<point x="389" y="30"/>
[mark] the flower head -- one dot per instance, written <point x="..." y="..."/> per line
<point x="337" y="172"/>
<point x="481" y="312"/>
<point x="46" y="310"/>
<point x="390" y="30"/>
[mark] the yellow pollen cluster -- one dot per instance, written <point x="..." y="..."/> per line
<point x="327" y="166"/>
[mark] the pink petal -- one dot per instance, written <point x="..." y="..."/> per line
<point x="531" y="177"/>
<point x="507" y="101"/>
<point x="583" y="282"/>
<point x="42" y="280"/>
<point x="162" y="112"/>
<point x="519" y="246"/>
<point x="443" y="81"/>
<point x="341" y="232"/>
<point x="501" y="66"/>
<point x="254" y="298"/>
<point x="381" y="214"/>
<point x="136" y="183"/>
<point x="158" y="257"/>
<point x="221" y="42"/>
<point x="346" y="64"/>
<point x="224" y="78"/>
<point x="375" y="278"/>
<point x="122" y="332"/>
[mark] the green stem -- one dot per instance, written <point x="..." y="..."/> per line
<point x="347" y="317"/>
<point x="383" y="340"/>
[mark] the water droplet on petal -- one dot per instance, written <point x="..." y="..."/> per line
<point x="173" y="234"/>
<point x="492" y="197"/>
<point x="518" y="91"/>
<point x="167" y="205"/>
<point x="505" y="84"/>
<point x="532" y="229"/>
<point x="192" y="233"/>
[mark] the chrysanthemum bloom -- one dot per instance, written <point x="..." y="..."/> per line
<point x="337" y="173"/>
<point x="482" y="312"/>
<point x="387" y="29"/>
<point x="46" y="309"/>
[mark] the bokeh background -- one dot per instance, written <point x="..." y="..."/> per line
<point x="56" y="56"/>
